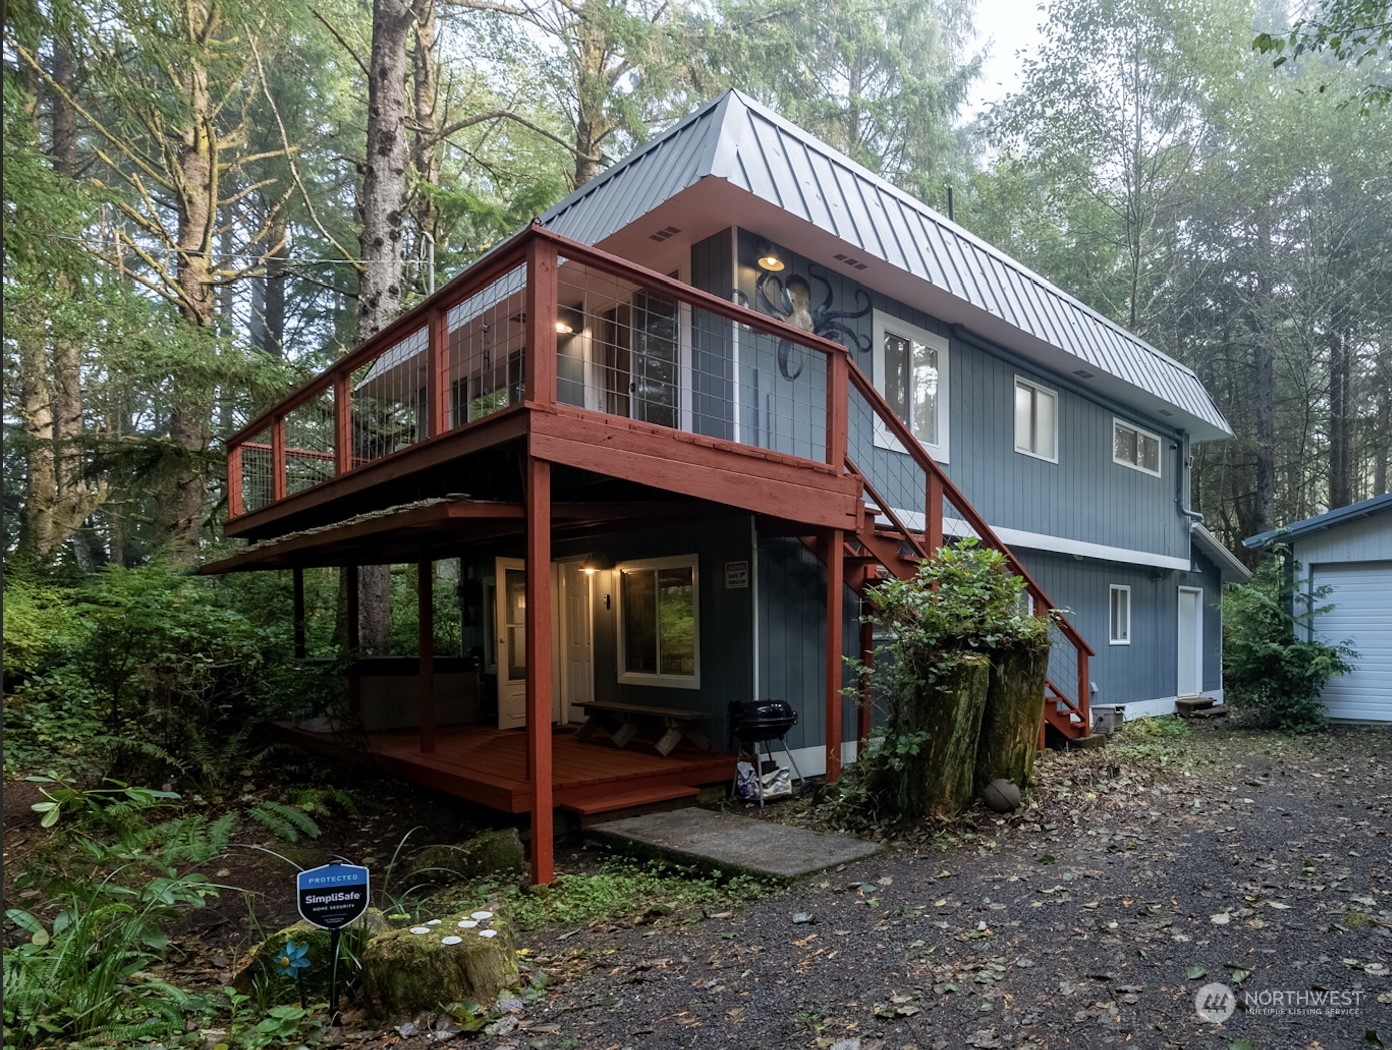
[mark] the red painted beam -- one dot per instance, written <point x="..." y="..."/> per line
<point x="835" y="594"/>
<point x="539" y="765"/>
<point x="425" y="611"/>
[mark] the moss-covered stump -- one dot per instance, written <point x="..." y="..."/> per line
<point x="488" y="854"/>
<point x="1010" y="724"/>
<point x="469" y="957"/>
<point x="937" y="781"/>
<point x="260" y="963"/>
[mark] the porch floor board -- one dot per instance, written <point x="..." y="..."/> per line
<point x="488" y="766"/>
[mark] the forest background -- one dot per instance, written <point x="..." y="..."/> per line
<point x="207" y="201"/>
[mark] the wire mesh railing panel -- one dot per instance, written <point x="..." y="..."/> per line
<point x="895" y="476"/>
<point x="258" y="471"/>
<point x="388" y="400"/>
<point x="648" y="354"/>
<point x="309" y="443"/>
<point x="485" y="351"/>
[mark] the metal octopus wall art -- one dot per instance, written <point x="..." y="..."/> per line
<point x="791" y="301"/>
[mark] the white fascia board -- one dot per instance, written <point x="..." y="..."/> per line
<point x="1039" y="541"/>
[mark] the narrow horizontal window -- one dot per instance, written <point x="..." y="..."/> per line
<point x="1135" y="448"/>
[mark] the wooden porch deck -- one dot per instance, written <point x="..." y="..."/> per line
<point x="488" y="766"/>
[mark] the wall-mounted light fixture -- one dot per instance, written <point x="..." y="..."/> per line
<point x="769" y="258"/>
<point x="594" y="563"/>
<point x="567" y="321"/>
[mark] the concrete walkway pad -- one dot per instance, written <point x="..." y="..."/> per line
<point x="730" y="841"/>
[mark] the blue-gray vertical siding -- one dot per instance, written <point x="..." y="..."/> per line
<point x="712" y="357"/>
<point x="1208" y="578"/>
<point x="792" y="638"/>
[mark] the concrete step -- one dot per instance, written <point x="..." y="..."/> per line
<point x="1187" y="706"/>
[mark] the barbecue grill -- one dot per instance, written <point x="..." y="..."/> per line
<point x="760" y="722"/>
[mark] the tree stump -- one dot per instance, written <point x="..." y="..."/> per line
<point x="938" y="780"/>
<point x="460" y="959"/>
<point x="1014" y="709"/>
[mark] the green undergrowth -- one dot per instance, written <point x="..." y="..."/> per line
<point x="1160" y="740"/>
<point x="621" y="889"/>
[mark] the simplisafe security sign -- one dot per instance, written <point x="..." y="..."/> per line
<point x="332" y="895"/>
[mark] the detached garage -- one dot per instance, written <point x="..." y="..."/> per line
<point x="1349" y="550"/>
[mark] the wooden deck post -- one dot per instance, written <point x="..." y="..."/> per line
<point x="933" y="513"/>
<point x="236" y="495"/>
<point x="835" y="587"/>
<point x="838" y="409"/>
<point x="539" y="368"/>
<point x="436" y="373"/>
<point x="538" y="481"/>
<point x="352" y="614"/>
<point x="278" y="478"/>
<point x="343" y="423"/>
<point x="297" y="587"/>
<point x="425" y="614"/>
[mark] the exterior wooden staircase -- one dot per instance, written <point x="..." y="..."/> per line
<point x="884" y="546"/>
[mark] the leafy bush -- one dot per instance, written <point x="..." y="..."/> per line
<point x="40" y="623"/>
<point x="1272" y="664"/>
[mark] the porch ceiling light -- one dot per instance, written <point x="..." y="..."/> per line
<point x="594" y="563"/>
<point x="768" y="258"/>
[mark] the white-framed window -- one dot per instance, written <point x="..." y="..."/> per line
<point x="1119" y="614"/>
<point x="1135" y="448"/>
<point x="659" y="622"/>
<point x="1036" y="420"/>
<point x="911" y="370"/>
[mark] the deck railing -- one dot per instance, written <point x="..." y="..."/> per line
<point x="544" y="321"/>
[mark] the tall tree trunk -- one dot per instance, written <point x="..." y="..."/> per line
<point x="179" y="517"/>
<point x="382" y="205"/>
<point x="1264" y="397"/>
<point x="1340" y="418"/>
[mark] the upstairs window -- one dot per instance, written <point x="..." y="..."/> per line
<point x="911" y="366"/>
<point x="1036" y="420"/>
<point x="1135" y="448"/>
<point x="659" y="629"/>
<point x="1120" y="612"/>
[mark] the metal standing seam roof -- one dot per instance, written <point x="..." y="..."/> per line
<point x="736" y="139"/>
<point x="1327" y="520"/>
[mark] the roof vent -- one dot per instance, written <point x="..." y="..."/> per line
<point x="1165" y="412"/>
<point x="1083" y="373"/>
<point x="854" y="264"/>
<point x="666" y="233"/>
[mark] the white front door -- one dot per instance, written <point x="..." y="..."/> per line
<point x="511" y="624"/>
<point x="1190" y="641"/>
<point x="576" y="651"/>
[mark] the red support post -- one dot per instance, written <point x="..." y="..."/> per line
<point x="437" y="373"/>
<point x="278" y="486"/>
<point x="933" y="513"/>
<point x="838" y="409"/>
<point x="539" y="368"/>
<point x="538" y="592"/>
<point x="343" y="424"/>
<point x="1084" y="692"/>
<point x="425" y="615"/>
<point x="236" y="506"/>
<point x="835" y="595"/>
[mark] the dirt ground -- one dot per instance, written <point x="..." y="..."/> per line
<point x="1258" y="861"/>
<point x="1135" y="877"/>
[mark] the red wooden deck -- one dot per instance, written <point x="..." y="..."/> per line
<point x="489" y="766"/>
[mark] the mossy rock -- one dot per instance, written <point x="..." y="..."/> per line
<point x="490" y="853"/>
<point x="259" y="963"/>
<point x="425" y="967"/>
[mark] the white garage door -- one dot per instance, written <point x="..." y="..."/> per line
<point x="1361" y="593"/>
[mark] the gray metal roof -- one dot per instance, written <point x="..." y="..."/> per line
<point x="736" y="139"/>
<point x="1327" y="520"/>
<point x="1229" y="568"/>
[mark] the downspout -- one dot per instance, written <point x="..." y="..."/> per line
<point x="1182" y="494"/>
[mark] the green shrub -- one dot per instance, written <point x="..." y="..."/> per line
<point x="1272" y="665"/>
<point x="40" y="623"/>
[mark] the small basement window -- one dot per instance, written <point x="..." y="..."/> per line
<point x="1120" y="615"/>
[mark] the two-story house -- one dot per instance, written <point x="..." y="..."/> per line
<point x="678" y="429"/>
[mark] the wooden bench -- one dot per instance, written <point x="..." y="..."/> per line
<point x="624" y="721"/>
